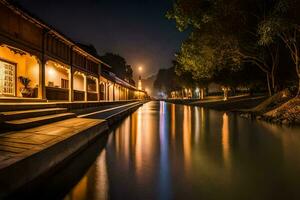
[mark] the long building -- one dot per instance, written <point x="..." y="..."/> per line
<point x="38" y="62"/>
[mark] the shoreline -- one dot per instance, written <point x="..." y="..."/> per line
<point x="245" y="107"/>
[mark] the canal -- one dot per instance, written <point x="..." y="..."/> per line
<point x="167" y="151"/>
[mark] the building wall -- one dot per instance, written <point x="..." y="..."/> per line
<point x="111" y="98"/>
<point x="54" y="74"/>
<point x="78" y="82"/>
<point x="17" y="27"/>
<point x="26" y="66"/>
<point x="42" y="43"/>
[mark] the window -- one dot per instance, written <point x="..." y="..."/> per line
<point x="64" y="83"/>
<point x="7" y="78"/>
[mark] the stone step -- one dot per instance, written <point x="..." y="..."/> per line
<point x="21" y="100"/>
<point x="5" y="107"/>
<point x="21" y="124"/>
<point x="22" y="114"/>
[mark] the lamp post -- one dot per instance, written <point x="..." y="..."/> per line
<point x="140" y="69"/>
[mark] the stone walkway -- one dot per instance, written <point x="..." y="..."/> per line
<point x="18" y="145"/>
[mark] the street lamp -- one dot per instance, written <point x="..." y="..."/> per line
<point x="140" y="68"/>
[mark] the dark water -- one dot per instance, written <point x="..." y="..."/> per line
<point x="166" y="151"/>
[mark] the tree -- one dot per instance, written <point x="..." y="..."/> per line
<point x="119" y="66"/>
<point x="283" y="23"/>
<point x="232" y="25"/>
<point x="205" y="54"/>
<point x="166" y="80"/>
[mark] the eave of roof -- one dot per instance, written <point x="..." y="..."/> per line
<point x="29" y="16"/>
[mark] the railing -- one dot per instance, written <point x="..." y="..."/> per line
<point x="78" y="95"/>
<point x="59" y="94"/>
<point x="92" y="96"/>
<point x="102" y="95"/>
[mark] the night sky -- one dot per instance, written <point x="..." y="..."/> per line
<point x="135" y="29"/>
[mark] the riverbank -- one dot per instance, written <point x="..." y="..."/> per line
<point x="218" y="103"/>
<point x="287" y="114"/>
<point x="281" y="108"/>
<point x="40" y="150"/>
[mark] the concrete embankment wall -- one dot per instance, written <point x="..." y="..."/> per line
<point x="4" y="107"/>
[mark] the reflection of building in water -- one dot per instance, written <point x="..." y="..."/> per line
<point x="122" y="141"/>
<point x="133" y="134"/>
<point x="139" y="145"/>
<point x="225" y="140"/>
<point x="126" y="142"/>
<point x="94" y="185"/>
<point x="187" y="137"/>
<point x="146" y="142"/>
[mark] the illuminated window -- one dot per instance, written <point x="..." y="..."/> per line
<point x="64" y="83"/>
<point x="7" y="78"/>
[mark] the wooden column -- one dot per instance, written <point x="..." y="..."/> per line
<point x="85" y="87"/>
<point x="114" y="92"/>
<point x="97" y="89"/>
<point x="71" y="84"/>
<point x="71" y="76"/>
<point x="42" y="69"/>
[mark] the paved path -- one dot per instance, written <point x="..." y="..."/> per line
<point x="18" y="145"/>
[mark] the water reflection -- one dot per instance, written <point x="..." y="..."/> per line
<point x="164" y="175"/>
<point x="225" y="140"/>
<point x="165" y="151"/>
<point x="94" y="181"/>
<point x="187" y="148"/>
<point x="173" y="121"/>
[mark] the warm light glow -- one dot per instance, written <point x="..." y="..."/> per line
<point x="147" y="90"/>
<point x="225" y="90"/>
<point x="51" y="72"/>
<point x="140" y="85"/>
<point x="173" y="121"/>
<point x="26" y="65"/>
<point x="187" y="148"/>
<point x="140" y="68"/>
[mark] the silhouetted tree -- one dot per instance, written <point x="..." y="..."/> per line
<point x="119" y="66"/>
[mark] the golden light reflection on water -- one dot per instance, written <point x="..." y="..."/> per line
<point x="203" y="121"/>
<point x="197" y="125"/>
<point x="94" y="185"/>
<point x="200" y="162"/>
<point x="133" y="131"/>
<point x="139" y="144"/>
<point x="187" y="149"/>
<point x="145" y="145"/>
<point x="173" y="122"/>
<point x="225" y="141"/>
<point x="101" y="182"/>
<point x="80" y="190"/>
